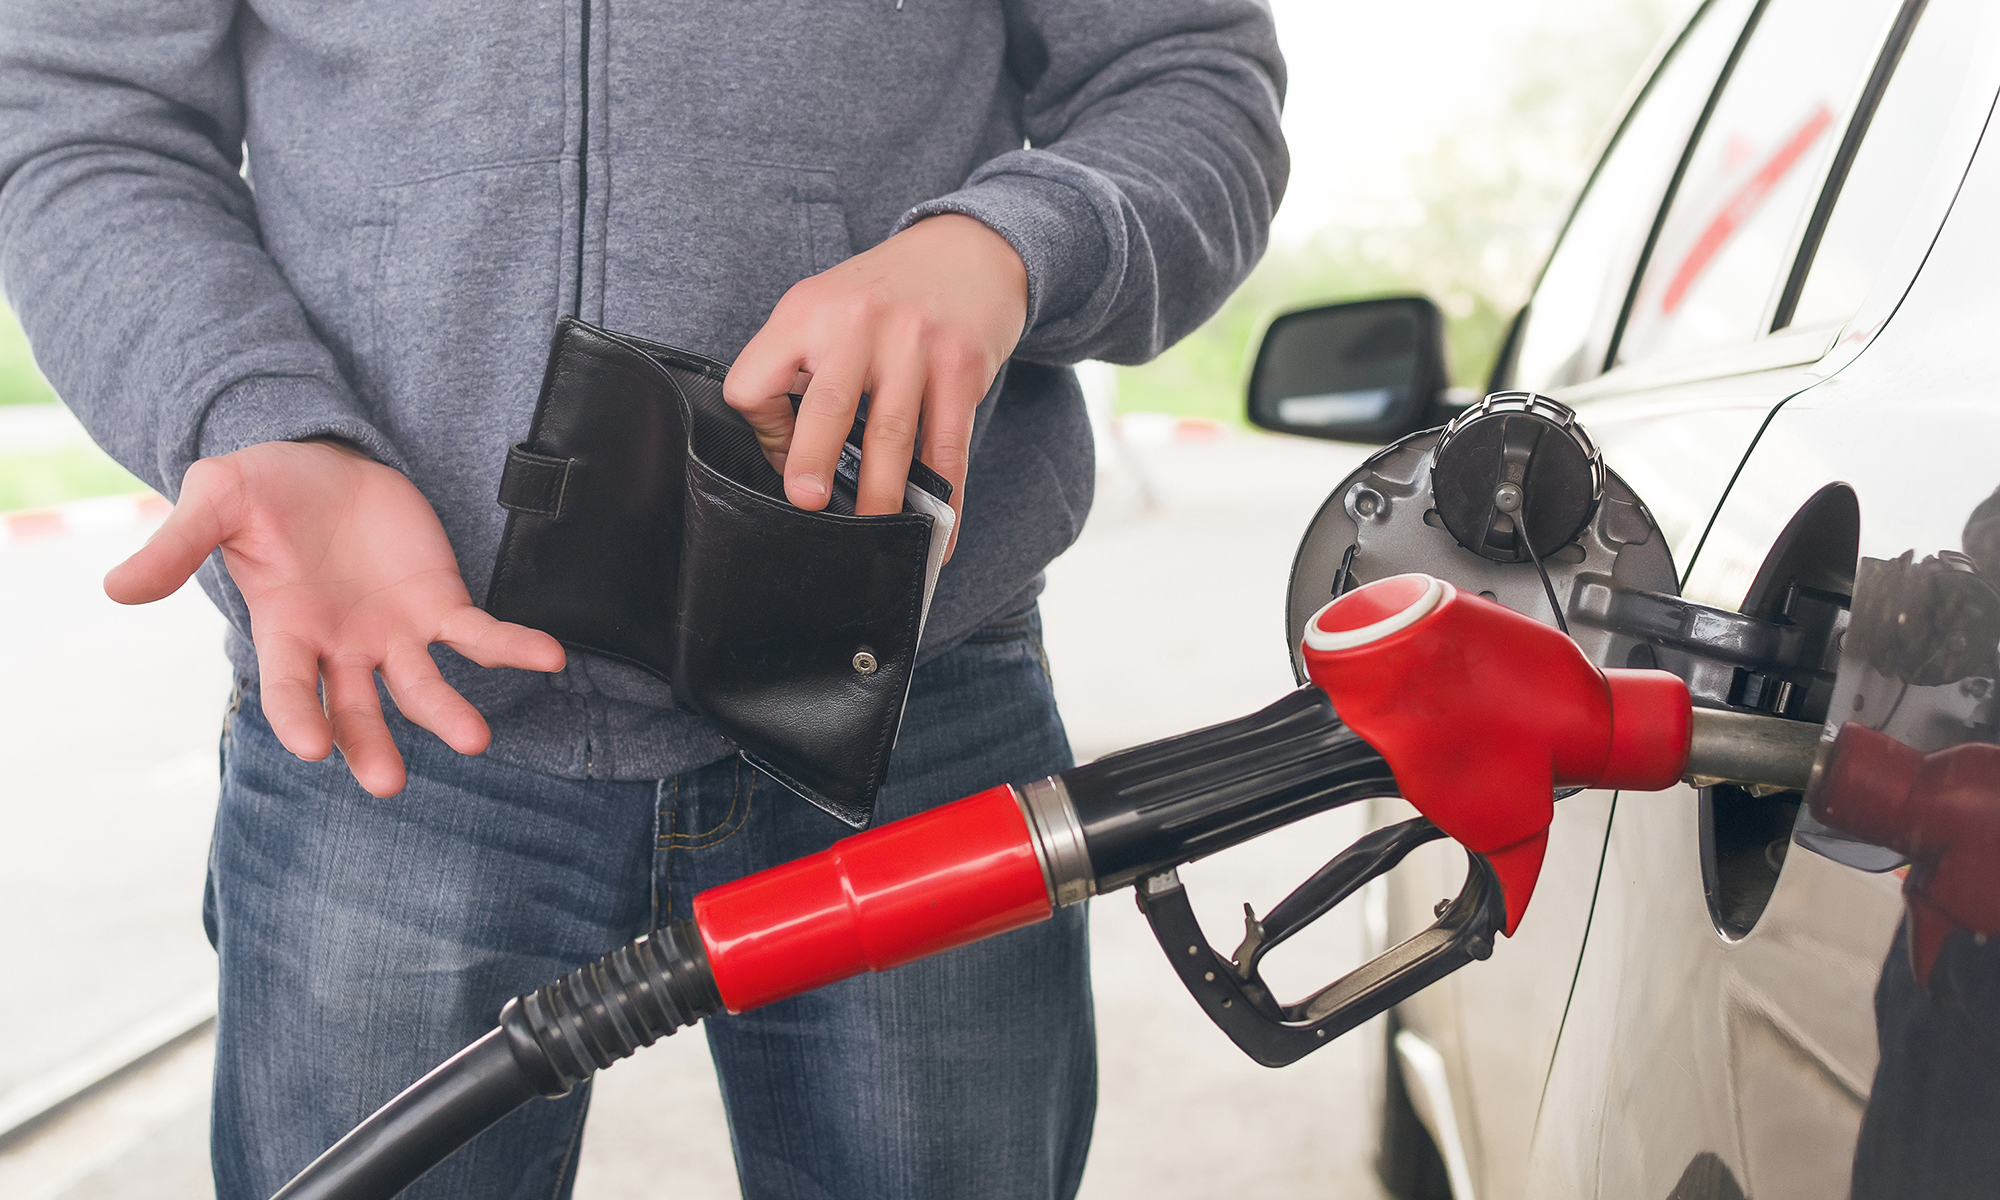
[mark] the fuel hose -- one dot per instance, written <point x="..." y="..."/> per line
<point x="991" y="862"/>
<point x="546" y="1043"/>
<point x="1483" y="711"/>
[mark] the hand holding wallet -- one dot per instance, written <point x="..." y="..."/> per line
<point x="645" y="524"/>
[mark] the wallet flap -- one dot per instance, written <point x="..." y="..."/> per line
<point x="798" y="634"/>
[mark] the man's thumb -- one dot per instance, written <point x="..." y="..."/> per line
<point x="179" y="547"/>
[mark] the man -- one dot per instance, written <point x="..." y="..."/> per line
<point x="325" y="372"/>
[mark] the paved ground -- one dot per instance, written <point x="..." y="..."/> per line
<point x="1163" y="618"/>
<point x="110" y="764"/>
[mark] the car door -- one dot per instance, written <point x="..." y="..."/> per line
<point x="1720" y="1036"/>
<point x="1675" y="333"/>
<point x="1475" y="1048"/>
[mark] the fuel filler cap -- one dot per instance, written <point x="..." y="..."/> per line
<point x="1516" y="461"/>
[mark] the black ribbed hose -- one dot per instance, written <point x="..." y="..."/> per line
<point x="548" y="1041"/>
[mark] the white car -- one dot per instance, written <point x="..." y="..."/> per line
<point x="1774" y="310"/>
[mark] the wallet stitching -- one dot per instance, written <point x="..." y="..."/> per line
<point x="853" y="814"/>
<point x="566" y="333"/>
<point x="562" y="488"/>
<point x="686" y="359"/>
<point x="892" y="719"/>
<point x="504" y="568"/>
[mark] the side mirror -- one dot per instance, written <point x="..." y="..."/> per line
<point x="1366" y="371"/>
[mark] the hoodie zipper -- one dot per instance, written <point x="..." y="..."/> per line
<point x="582" y="152"/>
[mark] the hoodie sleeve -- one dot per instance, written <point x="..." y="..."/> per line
<point x="121" y="150"/>
<point x="1154" y="164"/>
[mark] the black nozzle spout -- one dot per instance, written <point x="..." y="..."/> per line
<point x="548" y="1041"/>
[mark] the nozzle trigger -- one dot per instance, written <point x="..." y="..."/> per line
<point x="1235" y="996"/>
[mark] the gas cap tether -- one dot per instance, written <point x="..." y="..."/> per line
<point x="1516" y="478"/>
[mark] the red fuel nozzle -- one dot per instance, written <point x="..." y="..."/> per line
<point x="1482" y="713"/>
<point x="1942" y="810"/>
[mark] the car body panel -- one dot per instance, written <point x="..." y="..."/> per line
<point x="1623" y="1045"/>
<point x="1670" y="1017"/>
<point x="1512" y="1011"/>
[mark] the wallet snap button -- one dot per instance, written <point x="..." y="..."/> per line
<point x="864" y="663"/>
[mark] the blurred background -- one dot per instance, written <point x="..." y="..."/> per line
<point x="1436" y="146"/>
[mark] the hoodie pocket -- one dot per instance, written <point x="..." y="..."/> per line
<point x="697" y="250"/>
<point x="466" y="270"/>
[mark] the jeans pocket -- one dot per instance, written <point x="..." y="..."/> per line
<point x="694" y="815"/>
<point x="1021" y="631"/>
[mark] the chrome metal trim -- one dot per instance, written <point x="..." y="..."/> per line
<point x="1750" y="749"/>
<point x="1431" y="1097"/>
<point x="1058" y="838"/>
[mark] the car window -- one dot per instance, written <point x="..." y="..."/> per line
<point x="1567" y="327"/>
<point x="1715" y="270"/>
<point x="1896" y="155"/>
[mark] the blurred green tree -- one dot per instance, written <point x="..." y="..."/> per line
<point x="1487" y="202"/>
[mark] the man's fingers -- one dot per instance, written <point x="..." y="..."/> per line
<point x="824" y="421"/>
<point x="895" y="407"/>
<point x="174" y="552"/>
<point x="425" y="698"/>
<point x="288" y="678"/>
<point x="956" y="388"/>
<point x="355" y="712"/>
<point x="760" y="386"/>
<point x="494" y="643"/>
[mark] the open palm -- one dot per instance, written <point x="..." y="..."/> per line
<point x="346" y="573"/>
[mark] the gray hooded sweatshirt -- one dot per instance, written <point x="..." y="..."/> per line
<point x="430" y="185"/>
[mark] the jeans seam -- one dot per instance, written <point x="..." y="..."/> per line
<point x="1041" y="655"/>
<point x="653" y="873"/>
<point x="230" y="710"/>
<point x="569" y="1151"/>
<point x="744" y="793"/>
<point x="669" y="811"/>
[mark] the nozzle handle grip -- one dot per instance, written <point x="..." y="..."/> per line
<point x="1150" y="809"/>
<point x="1234" y="995"/>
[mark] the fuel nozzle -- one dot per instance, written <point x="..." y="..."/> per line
<point x="977" y="867"/>
<point x="1483" y="713"/>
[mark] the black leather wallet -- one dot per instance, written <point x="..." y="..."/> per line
<point x="645" y="524"/>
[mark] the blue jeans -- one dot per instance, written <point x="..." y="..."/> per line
<point x="362" y="941"/>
